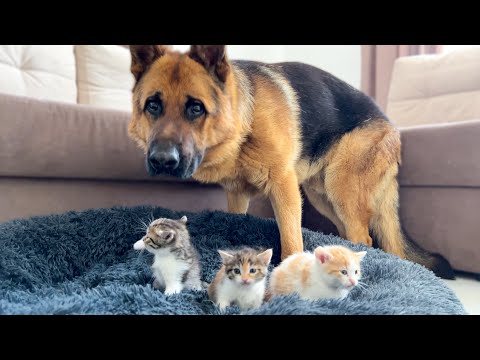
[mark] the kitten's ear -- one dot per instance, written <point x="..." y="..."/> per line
<point x="361" y="255"/>
<point x="183" y="220"/>
<point x="167" y="235"/>
<point x="143" y="56"/>
<point x="213" y="58"/>
<point x="265" y="256"/>
<point x="322" y="254"/>
<point x="225" y="255"/>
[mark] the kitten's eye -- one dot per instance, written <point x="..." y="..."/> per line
<point x="356" y="272"/>
<point x="236" y="271"/>
<point x="344" y="272"/>
<point x="253" y="271"/>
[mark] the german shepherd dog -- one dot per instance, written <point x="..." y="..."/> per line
<point x="271" y="129"/>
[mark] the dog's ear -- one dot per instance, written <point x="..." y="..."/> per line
<point x="213" y="58"/>
<point x="143" y="56"/>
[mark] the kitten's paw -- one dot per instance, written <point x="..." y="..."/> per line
<point x="172" y="290"/>
<point x="223" y="305"/>
<point x="158" y="284"/>
<point x="251" y="306"/>
<point x="198" y="286"/>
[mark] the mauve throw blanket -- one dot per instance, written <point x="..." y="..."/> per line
<point x="84" y="263"/>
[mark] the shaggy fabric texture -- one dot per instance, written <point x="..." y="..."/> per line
<point x="84" y="263"/>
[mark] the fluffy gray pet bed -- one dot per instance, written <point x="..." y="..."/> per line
<point x="84" y="263"/>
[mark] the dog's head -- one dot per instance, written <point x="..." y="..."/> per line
<point x="181" y="105"/>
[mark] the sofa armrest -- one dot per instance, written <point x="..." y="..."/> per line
<point x="441" y="155"/>
<point x="49" y="139"/>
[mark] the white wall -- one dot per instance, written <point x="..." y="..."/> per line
<point x="343" y="61"/>
<point x="449" y="48"/>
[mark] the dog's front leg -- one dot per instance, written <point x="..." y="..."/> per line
<point x="287" y="204"/>
<point x="238" y="202"/>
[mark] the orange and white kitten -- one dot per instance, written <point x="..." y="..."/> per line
<point x="329" y="273"/>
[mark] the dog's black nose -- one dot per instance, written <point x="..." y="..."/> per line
<point x="163" y="159"/>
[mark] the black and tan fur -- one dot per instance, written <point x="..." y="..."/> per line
<point x="271" y="129"/>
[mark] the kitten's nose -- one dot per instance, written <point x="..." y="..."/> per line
<point x="353" y="282"/>
<point x="245" y="281"/>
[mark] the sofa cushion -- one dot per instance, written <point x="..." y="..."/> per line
<point x="443" y="220"/>
<point x="103" y="76"/>
<point x="57" y="140"/>
<point x="441" y="155"/>
<point x="39" y="71"/>
<point x="431" y="89"/>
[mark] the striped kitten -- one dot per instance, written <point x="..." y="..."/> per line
<point x="241" y="280"/>
<point x="176" y="264"/>
<point x="330" y="272"/>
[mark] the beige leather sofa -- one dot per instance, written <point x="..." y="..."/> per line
<point x="64" y="146"/>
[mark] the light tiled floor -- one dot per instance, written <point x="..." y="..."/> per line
<point x="467" y="290"/>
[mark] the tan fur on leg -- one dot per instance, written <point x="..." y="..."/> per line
<point x="238" y="202"/>
<point x="355" y="167"/>
<point x="324" y="207"/>
<point x="349" y="197"/>
<point x="385" y="221"/>
<point x="287" y="205"/>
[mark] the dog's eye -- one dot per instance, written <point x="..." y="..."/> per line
<point x="194" y="109"/>
<point x="198" y="109"/>
<point x="154" y="107"/>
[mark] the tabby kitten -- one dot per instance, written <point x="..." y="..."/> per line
<point x="241" y="280"/>
<point x="330" y="272"/>
<point x="176" y="264"/>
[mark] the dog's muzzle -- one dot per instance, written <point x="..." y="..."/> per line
<point x="167" y="159"/>
<point x="161" y="160"/>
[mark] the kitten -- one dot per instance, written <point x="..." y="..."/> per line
<point x="176" y="262"/>
<point x="241" y="280"/>
<point x="330" y="272"/>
